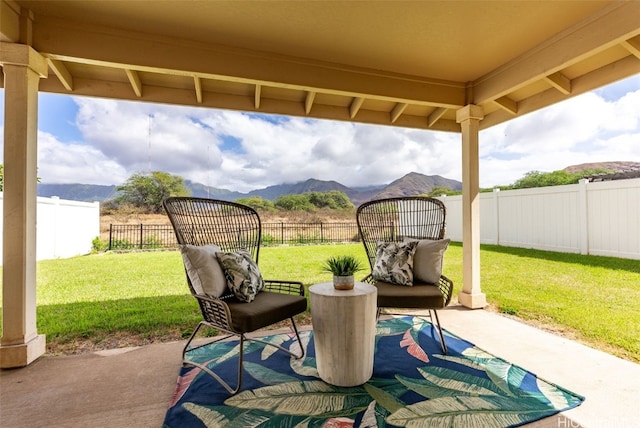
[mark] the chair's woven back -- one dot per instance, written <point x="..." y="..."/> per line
<point x="393" y="219"/>
<point x="200" y="221"/>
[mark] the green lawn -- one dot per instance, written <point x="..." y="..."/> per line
<point x="98" y="297"/>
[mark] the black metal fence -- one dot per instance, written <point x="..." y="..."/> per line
<point x="159" y="236"/>
<point x="141" y="236"/>
<point x="308" y="233"/>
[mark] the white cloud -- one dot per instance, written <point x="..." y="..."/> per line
<point x="242" y="151"/>
<point x="75" y="163"/>
<point x="143" y="137"/>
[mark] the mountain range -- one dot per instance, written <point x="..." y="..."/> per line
<point x="411" y="184"/>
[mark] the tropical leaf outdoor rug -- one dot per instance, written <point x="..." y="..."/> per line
<point x="413" y="385"/>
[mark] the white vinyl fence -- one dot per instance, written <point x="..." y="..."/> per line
<point x="599" y="218"/>
<point x="63" y="228"/>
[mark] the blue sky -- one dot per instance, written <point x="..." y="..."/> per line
<point x="99" y="141"/>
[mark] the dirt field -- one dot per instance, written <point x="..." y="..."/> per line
<point x="325" y="216"/>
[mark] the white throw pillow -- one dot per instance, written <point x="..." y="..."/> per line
<point x="242" y="274"/>
<point x="394" y="262"/>
<point x="204" y="271"/>
<point x="428" y="258"/>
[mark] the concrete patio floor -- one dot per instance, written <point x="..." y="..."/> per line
<point x="132" y="387"/>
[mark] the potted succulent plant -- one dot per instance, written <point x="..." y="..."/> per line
<point x="342" y="268"/>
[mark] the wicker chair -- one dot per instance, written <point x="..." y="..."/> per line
<point x="394" y="220"/>
<point x="232" y="227"/>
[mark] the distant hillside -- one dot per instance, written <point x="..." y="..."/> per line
<point x="313" y="185"/>
<point x="357" y="195"/>
<point x="202" y="191"/>
<point x="614" y="167"/>
<point x="416" y="184"/>
<point x="410" y="184"/>
<point x="77" y="192"/>
<point x="364" y="194"/>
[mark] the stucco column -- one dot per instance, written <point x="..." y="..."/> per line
<point x="471" y="296"/>
<point x="22" y="67"/>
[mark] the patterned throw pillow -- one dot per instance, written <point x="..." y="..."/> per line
<point x="203" y="269"/>
<point x="428" y="258"/>
<point x="394" y="262"/>
<point x="242" y="273"/>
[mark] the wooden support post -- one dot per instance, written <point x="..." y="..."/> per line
<point x="471" y="295"/>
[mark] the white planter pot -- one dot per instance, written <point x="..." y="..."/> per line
<point x="343" y="282"/>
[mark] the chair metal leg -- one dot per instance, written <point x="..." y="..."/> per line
<point x="206" y="369"/>
<point x="295" y="329"/>
<point x="440" y="333"/>
<point x="211" y="373"/>
<point x="193" y="335"/>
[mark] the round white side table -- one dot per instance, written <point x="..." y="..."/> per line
<point x="344" y="329"/>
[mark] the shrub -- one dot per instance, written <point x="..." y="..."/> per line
<point x="98" y="245"/>
<point x="267" y="239"/>
<point x="122" y="244"/>
<point x="152" y="242"/>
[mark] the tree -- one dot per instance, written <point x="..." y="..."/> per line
<point x="257" y="203"/>
<point x="147" y="191"/>
<point x="333" y="199"/>
<point x="308" y="201"/>
<point x="555" y="178"/>
<point x="543" y="179"/>
<point x="440" y="190"/>
<point x="295" y="202"/>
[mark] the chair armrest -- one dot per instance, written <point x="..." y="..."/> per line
<point x="284" y="287"/>
<point x="215" y="311"/>
<point x="446" y="286"/>
<point x="368" y="279"/>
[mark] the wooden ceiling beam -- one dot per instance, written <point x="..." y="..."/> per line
<point x="435" y="116"/>
<point x="178" y="96"/>
<point x="560" y="82"/>
<point x="633" y="46"/>
<point x="308" y="101"/>
<point x="507" y="104"/>
<point x="61" y="71"/>
<point x="134" y="80"/>
<point x="257" y="96"/>
<point x="397" y="111"/>
<point x="355" y="106"/>
<point x="10" y="16"/>
<point x="197" y="84"/>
